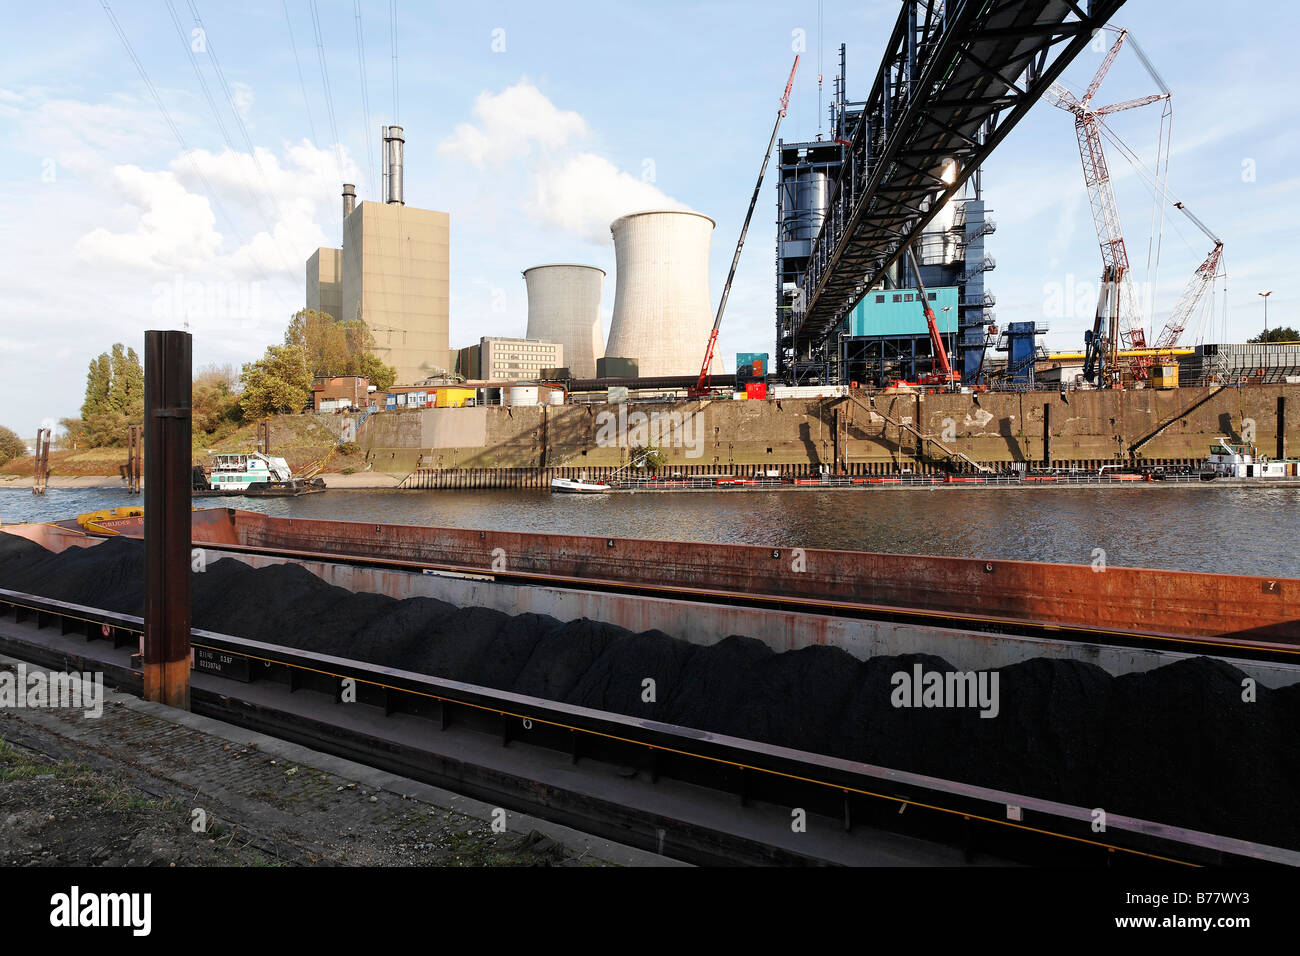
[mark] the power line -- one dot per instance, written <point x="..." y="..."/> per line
<point x="365" y="99"/>
<point x="325" y="79"/>
<point x="180" y="138"/>
<point x="248" y="140"/>
<point x="298" y="63"/>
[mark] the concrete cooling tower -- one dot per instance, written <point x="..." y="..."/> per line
<point x="564" y="307"/>
<point x="662" y="312"/>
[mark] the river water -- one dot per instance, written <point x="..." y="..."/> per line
<point x="1188" y="528"/>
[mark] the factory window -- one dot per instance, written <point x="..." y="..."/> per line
<point x="898" y="298"/>
<point x="908" y="297"/>
<point x="932" y="296"/>
<point x="880" y="299"/>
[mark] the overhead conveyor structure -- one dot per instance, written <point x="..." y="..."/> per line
<point x="955" y="80"/>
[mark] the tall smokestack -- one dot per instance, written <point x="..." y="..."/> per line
<point x="393" y="143"/>
<point x="349" y="198"/>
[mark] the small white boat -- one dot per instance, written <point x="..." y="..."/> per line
<point x="575" y="486"/>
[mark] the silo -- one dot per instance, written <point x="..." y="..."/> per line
<point x="564" y="307"/>
<point x="662" y="312"/>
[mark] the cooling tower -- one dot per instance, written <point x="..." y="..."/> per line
<point x="564" y="307"/>
<point x="662" y="313"/>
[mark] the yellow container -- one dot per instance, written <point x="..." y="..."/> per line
<point x="453" y="397"/>
<point x="1164" y="376"/>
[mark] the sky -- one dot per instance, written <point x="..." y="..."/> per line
<point x="183" y="183"/>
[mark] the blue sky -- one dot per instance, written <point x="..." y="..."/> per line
<point x="533" y="125"/>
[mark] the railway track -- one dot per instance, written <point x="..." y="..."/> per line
<point x="701" y="797"/>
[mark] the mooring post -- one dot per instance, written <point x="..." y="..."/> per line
<point x="166" y="658"/>
<point x="41" y="471"/>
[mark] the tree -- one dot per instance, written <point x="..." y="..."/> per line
<point x="98" y="381"/>
<point x="114" y="398"/>
<point x="335" y="348"/>
<point x="1284" y="334"/>
<point x="11" y="446"/>
<point x="278" y="383"/>
<point x="371" y="367"/>
<point x="214" y="401"/>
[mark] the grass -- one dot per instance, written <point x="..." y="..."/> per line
<point x="302" y="440"/>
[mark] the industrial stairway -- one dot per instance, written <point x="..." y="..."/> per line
<point x="924" y="439"/>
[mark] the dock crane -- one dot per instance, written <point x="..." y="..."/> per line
<point x="1117" y="284"/>
<point x="1201" y="280"/>
<point x="702" y="385"/>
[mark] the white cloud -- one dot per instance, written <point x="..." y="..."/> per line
<point x="174" y="228"/>
<point x="585" y="193"/>
<point x="510" y="125"/>
<point x="569" y="188"/>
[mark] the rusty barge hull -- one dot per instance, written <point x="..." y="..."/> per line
<point x="1240" y="607"/>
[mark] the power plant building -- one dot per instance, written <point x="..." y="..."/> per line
<point x="393" y="273"/>
<point x="325" y="281"/>
<point x="564" y="307"/>
<point x="662" y="311"/>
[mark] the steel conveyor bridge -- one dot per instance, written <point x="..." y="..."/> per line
<point x="955" y="80"/>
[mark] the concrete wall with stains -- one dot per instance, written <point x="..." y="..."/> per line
<point x="1085" y="426"/>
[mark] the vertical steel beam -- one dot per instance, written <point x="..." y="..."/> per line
<point x="166" y="658"/>
<point x="1281" y="426"/>
<point x="1047" y="434"/>
<point x="133" y="472"/>
<point x="41" y="471"/>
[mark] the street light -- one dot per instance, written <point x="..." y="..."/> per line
<point x="1265" y="294"/>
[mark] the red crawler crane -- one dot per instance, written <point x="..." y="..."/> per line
<point x="701" y="388"/>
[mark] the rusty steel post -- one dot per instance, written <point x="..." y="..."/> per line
<point x="264" y="437"/>
<point x="133" y="473"/>
<point x="41" y="470"/>
<point x="166" y="658"/>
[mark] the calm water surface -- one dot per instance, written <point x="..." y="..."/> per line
<point x="1198" y="528"/>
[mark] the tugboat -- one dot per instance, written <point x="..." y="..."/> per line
<point x="1242" y="461"/>
<point x="252" y="474"/>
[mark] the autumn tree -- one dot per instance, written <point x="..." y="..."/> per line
<point x="335" y="348"/>
<point x="11" y="446"/>
<point x="276" y="384"/>
<point x="214" y="402"/>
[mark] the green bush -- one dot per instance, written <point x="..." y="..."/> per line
<point x="349" y="448"/>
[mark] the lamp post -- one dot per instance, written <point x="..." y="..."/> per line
<point x="1264" y="295"/>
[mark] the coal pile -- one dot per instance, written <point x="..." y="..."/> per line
<point x="1179" y="744"/>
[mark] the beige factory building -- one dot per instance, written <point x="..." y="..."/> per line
<point x="393" y="273"/>
<point x="325" y="281"/>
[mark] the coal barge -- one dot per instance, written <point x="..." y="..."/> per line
<point x="545" y="631"/>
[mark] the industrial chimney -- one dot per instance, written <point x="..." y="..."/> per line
<point x="349" y="198"/>
<point x="393" y="143"/>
